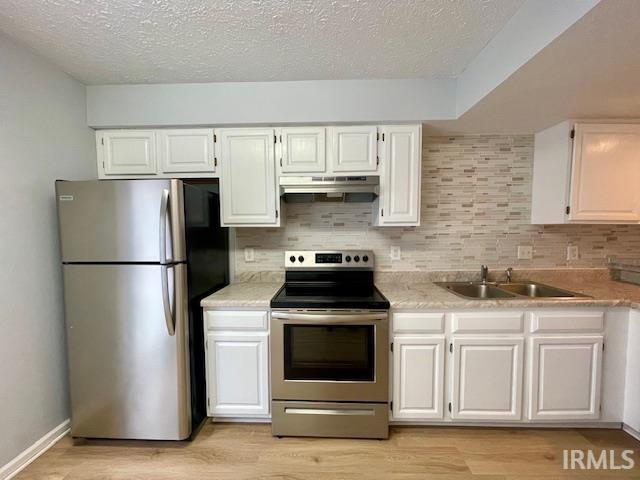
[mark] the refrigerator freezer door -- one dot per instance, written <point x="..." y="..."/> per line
<point x="129" y="377"/>
<point x="121" y="221"/>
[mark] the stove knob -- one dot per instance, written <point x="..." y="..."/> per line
<point x="356" y="258"/>
<point x="301" y="259"/>
<point x="365" y="259"/>
<point x="347" y="258"/>
<point x="292" y="258"/>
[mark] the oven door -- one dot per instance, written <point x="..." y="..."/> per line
<point x="330" y="356"/>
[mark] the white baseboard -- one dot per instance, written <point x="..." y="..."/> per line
<point x="34" y="451"/>
<point x="631" y="431"/>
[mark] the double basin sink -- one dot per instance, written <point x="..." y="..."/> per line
<point x="524" y="289"/>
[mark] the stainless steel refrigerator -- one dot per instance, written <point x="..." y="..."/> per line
<point x="137" y="257"/>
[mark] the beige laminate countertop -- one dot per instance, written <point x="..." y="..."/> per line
<point x="243" y="294"/>
<point x="408" y="290"/>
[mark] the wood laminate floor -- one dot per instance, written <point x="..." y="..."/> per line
<point x="248" y="451"/>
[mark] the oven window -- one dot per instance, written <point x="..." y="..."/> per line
<point x="338" y="353"/>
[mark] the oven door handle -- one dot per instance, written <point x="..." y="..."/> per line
<point x="348" y="318"/>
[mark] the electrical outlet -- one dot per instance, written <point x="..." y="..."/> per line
<point x="249" y="255"/>
<point x="525" y="252"/>
<point x="396" y="253"/>
<point x="572" y="252"/>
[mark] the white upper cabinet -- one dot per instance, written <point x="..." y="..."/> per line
<point x="302" y="150"/>
<point x="565" y="377"/>
<point x="248" y="177"/>
<point x="605" y="178"/>
<point x="487" y="378"/>
<point x="126" y="152"/>
<point x="586" y="173"/>
<point x="400" y="177"/>
<point x="186" y="150"/>
<point x="354" y="150"/>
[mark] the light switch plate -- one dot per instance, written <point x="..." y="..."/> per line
<point x="249" y="255"/>
<point x="572" y="252"/>
<point x="396" y="253"/>
<point x="525" y="252"/>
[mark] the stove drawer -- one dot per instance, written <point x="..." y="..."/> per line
<point x="329" y="419"/>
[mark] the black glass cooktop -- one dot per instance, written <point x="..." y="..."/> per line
<point x="353" y="290"/>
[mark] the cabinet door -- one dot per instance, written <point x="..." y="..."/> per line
<point x="238" y="374"/>
<point x="565" y="377"/>
<point x="303" y="150"/>
<point x="418" y="377"/>
<point x="126" y="152"/>
<point x="606" y="173"/>
<point x="487" y="378"/>
<point x="400" y="179"/>
<point x="354" y="149"/>
<point x="248" y="177"/>
<point x="186" y="150"/>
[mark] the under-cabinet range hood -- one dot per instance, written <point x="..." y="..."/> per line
<point x="329" y="189"/>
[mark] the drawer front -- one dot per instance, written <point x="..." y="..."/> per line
<point x="488" y="322"/>
<point x="418" y="322"/>
<point x="567" y="321"/>
<point x="254" y="320"/>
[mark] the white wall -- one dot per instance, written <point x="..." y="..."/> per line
<point x="43" y="136"/>
<point x="251" y="103"/>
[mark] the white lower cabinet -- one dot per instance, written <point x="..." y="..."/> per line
<point x="418" y="377"/>
<point x="487" y="378"/>
<point x="565" y="377"/>
<point x="237" y="361"/>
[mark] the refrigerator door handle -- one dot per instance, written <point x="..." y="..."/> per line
<point x="164" y="210"/>
<point x="168" y="314"/>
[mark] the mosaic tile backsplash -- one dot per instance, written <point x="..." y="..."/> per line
<point x="476" y="194"/>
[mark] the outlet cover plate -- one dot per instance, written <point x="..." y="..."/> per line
<point x="525" y="252"/>
<point x="396" y="253"/>
<point x="249" y="255"/>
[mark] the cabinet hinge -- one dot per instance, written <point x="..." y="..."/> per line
<point x="281" y="162"/>
<point x="276" y="213"/>
<point x="215" y="138"/>
<point x="449" y="407"/>
<point x="102" y="141"/>
<point x="377" y="160"/>
<point x="280" y="138"/>
<point x="391" y="405"/>
<point x="451" y="347"/>
<point x="603" y="346"/>
<point x="377" y="136"/>
<point x="573" y="133"/>
<point x="383" y="137"/>
<point x="103" y="164"/>
<point x="392" y="346"/>
<point x="568" y="210"/>
<point x="275" y="139"/>
<point x="206" y="344"/>
<point x="382" y="212"/>
<point x="215" y="161"/>
<point x="208" y="402"/>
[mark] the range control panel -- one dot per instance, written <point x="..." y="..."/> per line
<point x="361" y="259"/>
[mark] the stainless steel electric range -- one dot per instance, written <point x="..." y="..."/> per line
<point x="330" y="348"/>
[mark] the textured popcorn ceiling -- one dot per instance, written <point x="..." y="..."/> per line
<point x="157" y="41"/>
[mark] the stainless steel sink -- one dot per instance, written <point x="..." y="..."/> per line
<point x="525" y="289"/>
<point x="537" y="290"/>
<point x="476" y="290"/>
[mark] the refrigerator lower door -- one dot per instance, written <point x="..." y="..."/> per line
<point x="120" y="221"/>
<point x="129" y="376"/>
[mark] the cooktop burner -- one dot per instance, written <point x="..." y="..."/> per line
<point x="329" y="280"/>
